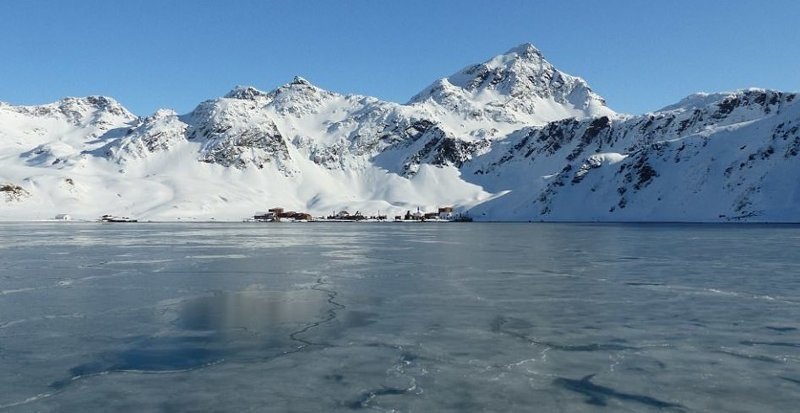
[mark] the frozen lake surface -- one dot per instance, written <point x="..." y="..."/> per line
<point x="405" y="317"/>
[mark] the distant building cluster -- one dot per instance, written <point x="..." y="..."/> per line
<point x="279" y="214"/>
<point x="357" y="216"/>
<point x="444" y="213"/>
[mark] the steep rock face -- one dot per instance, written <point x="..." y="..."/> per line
<point x="232" y="133"/>
<point x="707" y="159"/>
<point x="439" y="148"/>
<point x="157" y="133"/>
<point x="13" y="193"/>
<point x="630" y="134"/>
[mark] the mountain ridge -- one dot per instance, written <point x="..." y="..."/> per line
<point x="511" y="138"/>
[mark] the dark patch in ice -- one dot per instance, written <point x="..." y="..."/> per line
<point x="334" y="377"/>
<point x="770" y="343"/>
<point x="499" y="323"/>
<point x="598" y="395"/>
<point x="781" y="329"/>
<point x="749" y="356"/>
<point x="177" y="358"/>
<point x="153" y="355"/>
<point x="589" y="347"/>
<point x="363" y="400"/>
<point x="407" y="357"/>
<point x="352" y="319"/>
<point x="647" y="368"/>
<point x="222" y="325"/>
<point x="93" y="265"/>
<point x="496" y="325"/>
<point x="506" y="325"/>
<point x="791" y="380"/>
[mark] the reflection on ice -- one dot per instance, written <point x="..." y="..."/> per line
<point x="257" y="312"/>
<point x="221" y="326"/>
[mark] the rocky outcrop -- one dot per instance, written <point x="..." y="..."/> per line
<point x="13" y="193"/>
<point x="709" y="158"/>
<point x="157" y="133"/>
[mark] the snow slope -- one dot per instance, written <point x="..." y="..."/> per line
<point x="730" y="158"/>
<point x="512" y="138"/>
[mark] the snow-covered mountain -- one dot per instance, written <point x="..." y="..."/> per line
<point x="519" y="87"/>
<point x="721" y="157"/>
<point x="512" y="138"/>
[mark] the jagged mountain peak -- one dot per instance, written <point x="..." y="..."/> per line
<point x="97" y="104"/>
<point x="299" y="97"/>
<point x="297" y="83"/>
<point x="92" y="100"/>
<point x="92" y="103"/>
<point x="163" y="113"/>
<point x="506" y="73"/>
<point x="299" y="80"/>
<point x="95" y="109"/>
<point x="525" y="50"/>
<point x="245" y="93"/>
<point x="519" y="86"/>
<point x="515" y="64"/>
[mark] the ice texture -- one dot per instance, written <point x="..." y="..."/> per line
<point x="390" y="317"/>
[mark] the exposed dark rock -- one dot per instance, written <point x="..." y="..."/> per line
<point x="13" y="192"/>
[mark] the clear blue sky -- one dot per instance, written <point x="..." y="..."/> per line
<point x="639" y="54"/>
